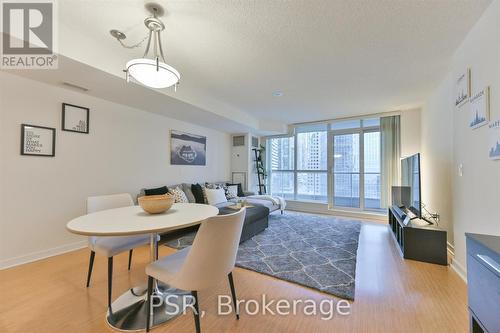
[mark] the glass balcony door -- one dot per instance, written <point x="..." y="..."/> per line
<point x="355" y="167"/>
<point x="346" y="170"/>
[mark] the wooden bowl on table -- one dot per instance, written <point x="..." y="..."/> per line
<point x="156" y="204"/>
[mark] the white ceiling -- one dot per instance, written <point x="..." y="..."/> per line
<point x="331" y="58"/>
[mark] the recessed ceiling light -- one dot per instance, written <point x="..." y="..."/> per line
<point x="277" y="93"/>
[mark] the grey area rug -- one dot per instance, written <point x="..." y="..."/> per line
<point x="315" y="251"/>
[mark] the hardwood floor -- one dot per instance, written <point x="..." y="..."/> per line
<point x="392" y="295"/>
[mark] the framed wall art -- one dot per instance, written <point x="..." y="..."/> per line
<point x="480" y="108"/>
<point x="38" y="140"/>
<point x="187" y="149"/>
<point x="463" y="88"/>
<point x="75" y="118"/>
<point x="494" y="146"/>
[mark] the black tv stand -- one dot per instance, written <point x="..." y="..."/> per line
<point x="417" y="239"/>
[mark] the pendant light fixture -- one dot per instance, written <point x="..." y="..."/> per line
<point x="151" y="70"/>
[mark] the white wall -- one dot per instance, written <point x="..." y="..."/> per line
<point x="410" y="132"/>
<point x="437" y="156"/>
<point x="127" y="149"/>
<point x="447" y="141"/>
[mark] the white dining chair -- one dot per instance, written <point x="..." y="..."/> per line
<point x="110" y="246"/>
<point x="209" y="260"/>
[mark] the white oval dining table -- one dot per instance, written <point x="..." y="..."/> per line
<point x="128" y="312"/>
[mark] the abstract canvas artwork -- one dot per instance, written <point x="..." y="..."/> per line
<point x="480" y="108"/>
<point x="463" y="88"/>
<point x="187" y="149"/>
<point x="494" y="147"/>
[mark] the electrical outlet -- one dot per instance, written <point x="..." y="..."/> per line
<point x="460" y="170"/>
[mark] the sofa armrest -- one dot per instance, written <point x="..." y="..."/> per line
<point x="248" y="193"/>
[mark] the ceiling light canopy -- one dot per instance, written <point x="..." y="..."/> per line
<point x="151" y="71"/>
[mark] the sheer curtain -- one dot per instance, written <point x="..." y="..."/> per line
<point x="390" y="133"/>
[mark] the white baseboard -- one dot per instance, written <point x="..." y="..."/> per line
<point x="35" y="256"/>
<point x="459" y="269"/>
<point x="451" y="252"/>
<point x="454" y="264"/>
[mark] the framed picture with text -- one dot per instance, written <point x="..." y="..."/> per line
<point x="38" y="140"/>
<point x="75" y="118"/>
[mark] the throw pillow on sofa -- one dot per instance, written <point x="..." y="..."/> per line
<point x="198" y="193"/>
<point x="231" y="192"/>
<point x="240" y="189"/>
<point x="179" y="195"/>
<point x="186" y="188"/>
<point x="215" y="196"/>
<point x="156" y="191"/>
<point x="212" y="186"/>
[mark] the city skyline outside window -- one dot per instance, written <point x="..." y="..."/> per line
<point x="282" y="157"/>
<point x="372" y="170"/>
<point x="312" y="155"/>
<point x="308" y="180"/>
<point x="346" y="170"/>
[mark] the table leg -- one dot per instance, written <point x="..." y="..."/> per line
<point x="129" y="310"/>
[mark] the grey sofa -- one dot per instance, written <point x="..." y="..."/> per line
<point x="186" y="188"/>
<point x="256" y="219"/>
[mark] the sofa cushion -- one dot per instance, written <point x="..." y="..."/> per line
<point x="215" y="196"/>
<point x="179" y="195"/>
<point x="240" y="189"/>
<point x="198" y="193"/>
<point x="232" y="191"/>
<point x="252" y="213"/>
<point x="189" y="194"/>
<point x="156" y="191"/>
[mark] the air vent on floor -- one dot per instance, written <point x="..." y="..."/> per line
<point x="74" y="86"/>
<point x="238" y="140"/>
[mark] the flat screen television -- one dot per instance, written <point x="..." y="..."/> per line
<point x="410" y="177"/>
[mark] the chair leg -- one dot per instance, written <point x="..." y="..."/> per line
<point x="233" y="294"/>
<point x="196" y="313"/>
<point x="91" y="265"/>
<point x="130" y="258"/>
<point x="148" y="302"/>
<point x="110" y="282"/>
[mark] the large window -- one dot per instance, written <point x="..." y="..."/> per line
<point x="281" y="161"/>
<point x="345" y="154"/>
